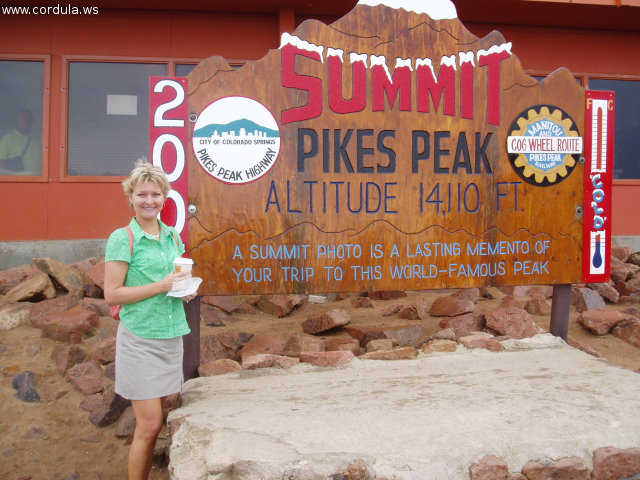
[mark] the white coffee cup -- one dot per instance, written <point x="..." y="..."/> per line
<point x="182" y="264"/>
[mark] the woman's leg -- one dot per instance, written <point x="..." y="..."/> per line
<point x="148" y="425"/>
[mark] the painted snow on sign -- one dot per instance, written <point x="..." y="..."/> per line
<point x="436" y="9"/>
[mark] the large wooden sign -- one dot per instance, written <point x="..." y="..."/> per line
<point x="390" y="150"/>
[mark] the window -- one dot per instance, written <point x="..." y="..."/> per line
<point x="108" y="120"/>
<point x="21" y="101"/>
<point x="627" y="135"/>
<point x="183" y="69"/>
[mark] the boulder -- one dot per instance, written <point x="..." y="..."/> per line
<point x="69" y="326"/>
<point x="211" y="348"/>
<point x="334" y="359"/>
<point x="600" y="321"/>
<point x="14" y="315"/>
<point x="586" y="299"/>
<point x="67" y="355"/>
<point x="38" y="312"/>
<point x="387" y="295"/>
<point x="36" y="287"/>
<point x="267" y="360"/>
<point x="98" y="305"/>
<point x="438" y="346"/>
<point x="482" y="340"/>
<point x="280" y="305"/>
<point x="569" y="467"/>
<point x="263" y="345"/>
<point x="325" y="321"/>
<point x="342" y="343"/>
<point x="538" y="305"/>
<point x="68" y="277"/>
<point x="96" y="274"/>
<point x="402" y="353"/>
<point x="610" y="463"/>
<point x="302" y="342"/>
<point x="629" y="331"/>
<point x="449" y="306"/>
<point x="489" y="467"/>
<point x="605" y="290"/>
<point x="112" y="407"/>
<point x="512" y="321"/>
<point x="464" y="324"/>
<point x="218" y="367"/>
<point x="86" y="377"/>
<point x="13" y="276"/>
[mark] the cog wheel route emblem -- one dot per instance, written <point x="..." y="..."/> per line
<point x="544" y="145"/>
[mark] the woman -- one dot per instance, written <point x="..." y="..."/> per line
<point x="149" y="345"/>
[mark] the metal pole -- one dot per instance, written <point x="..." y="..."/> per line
<point x="191" y="342"/>
<point x="560" y="305"/>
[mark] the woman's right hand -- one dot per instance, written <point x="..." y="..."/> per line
<point x="167" y="282"/>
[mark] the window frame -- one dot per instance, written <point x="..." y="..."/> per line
<point x="64" y="104"/>
<point x="46" y="89"/>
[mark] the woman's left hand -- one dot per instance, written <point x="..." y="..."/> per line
<point x="188" y="298"/>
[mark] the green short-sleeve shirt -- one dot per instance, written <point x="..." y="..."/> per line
<point x="159" y="316"/>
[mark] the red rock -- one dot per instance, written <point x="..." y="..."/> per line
<point x="234" y="340"/>
<point x="449" y="306"/>
<point x="69" y="326"/>
<point x="218" y="367"/>
<point x="11" y="277"/>
<point x="620" y="252"/>
<point x="362" y="302"/>
<point x="405" y="335"/>
<point x="621" y="272"/>
<point x="342" y="343"/>
<point x="110" y="410"/>
<point x="211" y="348"/>
<point x="605" y="290"/>
<point x="302" y="342"/>
<point x="62" y="273"/>
<point x="380" y="344"/>
<point x="586" y="299"/>
<point x="169" y="403"/>
<point x="263" y="345"/>
<point x="39" y="311"/>
<point x="538" y="305"/>
<point x="569" y="467"/>
<point x="600" y="321"/>
<point x="402" y="353"/>
<point x="489" y="468"/>
<point x="355" y="471"/>
<point x="433" y="346"/>
<point x="280" y="305"/>
<point x="409" y="312"/>
<point x="510" y="301"/>
<point x="481" y="340"/>
<point x="512" y="321"/>
<point x="422" y="309"/>
<point x="471" y="294"/>
<point x="325" y="321"/>
<point x="105" y="350"/>
<point x="333" y="359"/>
<point x="387" y="295"/>
<point x="267" y="360"/>
<point x="463" y="324"/>
<point x="36" y="287"/>
<point x="445" y="334"/>
<point x="86" y="377"/>
<point x="212" y="316"/>
<point x="225" y="303"/>
<point x="610" y="463"/>
<point x="629" y="331"/>
<point x="96" y="274"/>
<point x="66" y="356"/>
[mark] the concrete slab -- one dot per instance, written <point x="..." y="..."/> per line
<point x="422" y="419"/>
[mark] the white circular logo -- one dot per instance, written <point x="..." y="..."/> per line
<point x="236" y="140"/>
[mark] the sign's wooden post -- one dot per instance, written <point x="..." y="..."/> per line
<point x="395" y="150"/>
<point x="560" y="304"/>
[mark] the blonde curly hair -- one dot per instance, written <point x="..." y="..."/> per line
<point x="144" y="171"/>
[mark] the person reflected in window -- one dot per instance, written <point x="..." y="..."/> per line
<point x="20" y="152"/>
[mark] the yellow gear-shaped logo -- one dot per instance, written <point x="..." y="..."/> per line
<point x="542" y="128"/>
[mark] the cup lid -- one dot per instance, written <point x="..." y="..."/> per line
<point x="183" y="260"/>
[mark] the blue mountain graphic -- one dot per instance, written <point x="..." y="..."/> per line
<point x="234" y="128"/>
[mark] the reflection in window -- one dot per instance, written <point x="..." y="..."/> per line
<point x="627" y="137"/>
<point x="182" y="70"/>
<point x="21" y="99"/>
<point x="108" y="116"/>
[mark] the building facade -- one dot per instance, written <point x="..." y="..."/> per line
<point x="74" y="93"/>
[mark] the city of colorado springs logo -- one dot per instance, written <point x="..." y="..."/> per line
<point x="236" y="140"/>
<point x="544" y="145"/>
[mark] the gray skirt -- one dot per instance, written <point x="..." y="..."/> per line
<point x="147" y="368"/>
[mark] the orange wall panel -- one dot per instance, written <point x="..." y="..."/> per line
<point x="24" y="211"/>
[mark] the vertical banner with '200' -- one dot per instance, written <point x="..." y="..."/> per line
<point x="168" y="138"/>
<point x="598" y="180"/>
